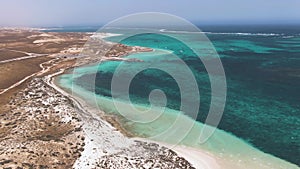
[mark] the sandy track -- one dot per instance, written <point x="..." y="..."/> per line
<point x="30" y="55"/>
<point x="44" y="70"/>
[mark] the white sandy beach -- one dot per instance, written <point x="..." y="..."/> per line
<point x="101" y="138"/>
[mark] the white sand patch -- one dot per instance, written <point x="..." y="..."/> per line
<point x="40" y="35"/>
<point x="199" y="159"/>
<point x="48" y="40"/>
<point x="45" y="35"/>
<point x="101" y="35"/>
<point x="72" y="50"/>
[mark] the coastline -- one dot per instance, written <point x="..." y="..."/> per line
<point x="198" y="159"/>
<point x="202" y="157"/>
<point x="215" y="161"/>
<point x="105" y="141"/>
<point x="111" y="124"/>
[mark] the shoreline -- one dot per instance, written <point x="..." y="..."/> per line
<point x="181" y="149"/>
<point x="196" y="155"/>
<point x="197" y="152"/>
<point x="198" y="158"/>
<point x="188" y="153"/>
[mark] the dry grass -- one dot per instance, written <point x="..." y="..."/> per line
<point x="4" y="131"/>
<point x="7" y="54"/>
<point x="51" y="129"/>
<point x="13" y="72"/>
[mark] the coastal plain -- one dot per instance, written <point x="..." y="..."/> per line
<point x="32" y="132"/>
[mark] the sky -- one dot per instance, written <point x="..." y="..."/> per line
<point x="99" y="12"/>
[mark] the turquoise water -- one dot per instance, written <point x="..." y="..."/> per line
<point x="263" y="79"/>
